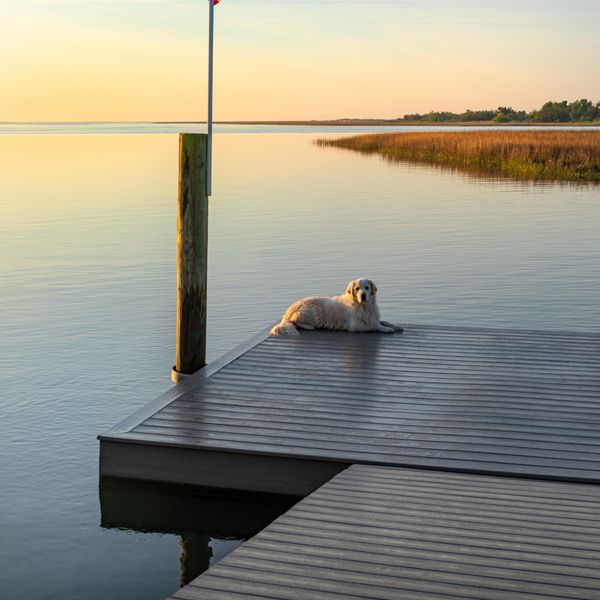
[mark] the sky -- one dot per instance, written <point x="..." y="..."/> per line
<point x="146" y="60"/>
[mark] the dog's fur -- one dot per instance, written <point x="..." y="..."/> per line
<point x="354" y="311"/>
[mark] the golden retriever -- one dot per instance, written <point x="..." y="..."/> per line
<point x="354" y="311"/>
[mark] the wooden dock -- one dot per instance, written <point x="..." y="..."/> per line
<point x="285" y="415"/>
<point x="376" y="533"/>
<point x="444" y="462"/>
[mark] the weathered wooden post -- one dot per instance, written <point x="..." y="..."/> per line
<point x="192" y="254"/>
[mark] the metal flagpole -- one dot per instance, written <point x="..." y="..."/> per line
<point x="211" y="4"/>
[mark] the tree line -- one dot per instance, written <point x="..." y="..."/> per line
<point x="577" y="111"/>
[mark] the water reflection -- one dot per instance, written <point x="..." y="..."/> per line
<point x="210" y="523"/>
<point x="87" y="255"/>
<point x="196" y="555"/>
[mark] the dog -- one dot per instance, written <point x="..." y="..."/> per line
<point x="354" y="311"/>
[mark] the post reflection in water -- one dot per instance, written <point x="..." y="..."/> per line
<point x="196" y="555"/>
<point x="204" y="519"/>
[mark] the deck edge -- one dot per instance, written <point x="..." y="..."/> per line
<point x="290" y="476"/>
<point x="126" y="445"/>
<point x="174" y="392"/>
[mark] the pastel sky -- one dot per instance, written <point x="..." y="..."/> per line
<point x="140" y="60"/>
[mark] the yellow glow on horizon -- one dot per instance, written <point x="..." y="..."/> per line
<point x="286" y="62"/>
<point x="78" y="74"/>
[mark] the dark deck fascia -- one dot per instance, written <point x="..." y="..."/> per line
<point x="317" y="403"/>
<point x="382" y="533"/>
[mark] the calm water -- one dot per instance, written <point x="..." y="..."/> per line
<point x="87" y="279"/>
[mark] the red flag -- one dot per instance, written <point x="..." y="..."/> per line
<point x="216" y="2"/>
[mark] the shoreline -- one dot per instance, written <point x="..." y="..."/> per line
<point x="324" y="123"/>
<point x="395" y="123"/>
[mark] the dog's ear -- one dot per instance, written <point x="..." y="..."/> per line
<point x="350" y="288"/>
<point x="373" y="286"/>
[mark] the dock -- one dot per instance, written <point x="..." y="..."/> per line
<point x="284" y="415"/>
<point x="379" y="533"/>
<point x="443" y="462"/>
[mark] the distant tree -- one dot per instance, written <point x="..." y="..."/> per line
<point x="552" y="112"/>
<point x="506" y="114"/>
<point x="521" y="115"/>
<point x="440" y="117"/>
<point x="583" y="110"/>
<point x="501" y="117"/>
<point x="413" y="117"/>
<point x="477" y="115"/>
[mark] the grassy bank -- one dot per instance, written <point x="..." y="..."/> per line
<point x="548" y="155"/>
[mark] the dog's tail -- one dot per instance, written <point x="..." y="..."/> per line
<point x="284" y="327"/>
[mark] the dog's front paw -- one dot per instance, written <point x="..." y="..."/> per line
<point x="384" y="329"/>
<point x="391" y="326"/>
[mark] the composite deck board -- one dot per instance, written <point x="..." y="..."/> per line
<point x="386" y="533"/>
<point x="510" y="402"/>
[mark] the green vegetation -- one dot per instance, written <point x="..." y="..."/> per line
<point x="578" y="111"/>
<point x="542" y="155"/>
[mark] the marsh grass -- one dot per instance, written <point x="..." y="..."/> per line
<point x="536" y="155"/>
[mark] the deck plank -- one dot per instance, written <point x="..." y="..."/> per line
<point x="387" y="533"/>
<point x="510" y="402"/>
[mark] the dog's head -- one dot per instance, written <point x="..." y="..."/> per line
<point x="362" y="290"/>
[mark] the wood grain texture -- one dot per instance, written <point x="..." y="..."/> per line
<point x="387" y="533"/>
<point x="192" y="254"/>
<point x="511" y="402"/>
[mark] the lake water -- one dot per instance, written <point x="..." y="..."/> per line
<point x="87" y="288"/>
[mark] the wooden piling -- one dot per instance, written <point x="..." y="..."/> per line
<point x="192" y="253"/>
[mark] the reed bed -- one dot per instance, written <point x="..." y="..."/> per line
<point x="541" y="155"/>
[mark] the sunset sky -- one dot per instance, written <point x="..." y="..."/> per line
<point x="140" y="60"/>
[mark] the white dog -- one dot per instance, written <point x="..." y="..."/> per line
<point x="354" y="311"/>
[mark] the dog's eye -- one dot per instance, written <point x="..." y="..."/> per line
<point x="366" y="287"/>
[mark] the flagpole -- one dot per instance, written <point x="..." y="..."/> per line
<point x="211" y="23"/>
